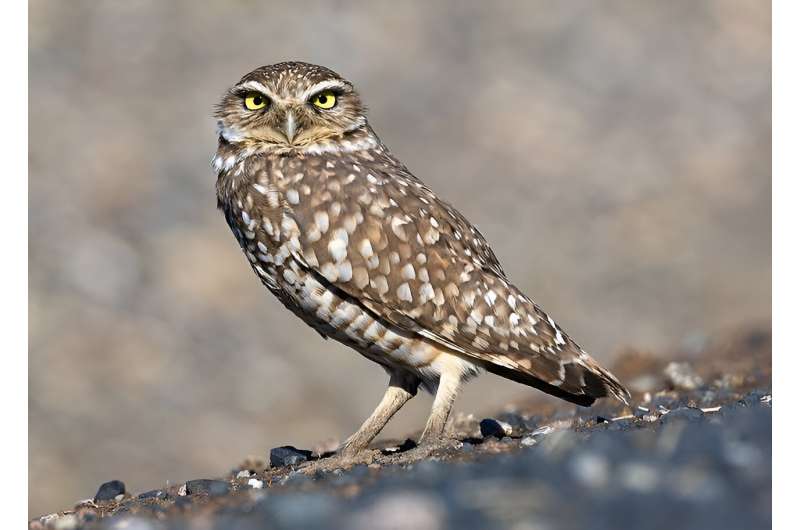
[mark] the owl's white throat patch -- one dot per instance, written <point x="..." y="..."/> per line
<point x="341" y="146"/>
<point x="229" y="133"/>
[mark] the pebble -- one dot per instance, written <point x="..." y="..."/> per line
<point x="542" y="431"/>
<point x="153" y="494"/>
<point x="516" y="422"/>
<point x="207" y="486"/>
<point x="493" y="428"/>
<point x="109" y="491"/>
<point x="255" y="483"/>
<point x="287" y="456"/>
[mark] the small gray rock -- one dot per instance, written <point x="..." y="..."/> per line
<point x="153" y="494"/>
<point x="207" y="486"/>
<point x="287" y="456"/>
<point x="493" y="428"/>
<point x="108" y="491"/>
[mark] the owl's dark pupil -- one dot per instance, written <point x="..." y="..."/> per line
<point x="257" y="100"/>
<point x="323" y="99"/>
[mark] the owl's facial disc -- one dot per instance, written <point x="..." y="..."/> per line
<point x="285" y="112"/>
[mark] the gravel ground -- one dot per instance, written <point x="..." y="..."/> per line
<point x="693" y="451"/>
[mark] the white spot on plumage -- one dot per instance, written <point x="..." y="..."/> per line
<point x="469" y="298"/>
<point x="373" y="331"/>
<point x="365" y="248"/>
<point x="380" y="284"/>
<point x="345" y="271"/>
<point x="330" y="271"/>
<point x="477" y="316"/>
<point x="337" y="248"/>
<point x="432" y="236"/>
<point x="426" y="293"/>
<point x="289" y="276"/>
<point x="321" y="219"/>
<point x="408" y="272"/>
<point x="490" y="297"/>
<point x="397" y="228"/>
<point x="343" y="315"/>
<point x="404" y="293"/>
<point x="349" y="223"/>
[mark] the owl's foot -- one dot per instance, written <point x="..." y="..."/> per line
<point x="343" y="459"/>
<point x="427" y="448"/>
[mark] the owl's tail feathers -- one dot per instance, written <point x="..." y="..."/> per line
<point x="581" y="381"/>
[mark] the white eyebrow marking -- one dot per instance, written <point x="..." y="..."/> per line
<point x="258" y="87"/>
<point x="322" y="85"/>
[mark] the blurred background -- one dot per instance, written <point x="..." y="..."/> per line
<point x="616" y="154"/>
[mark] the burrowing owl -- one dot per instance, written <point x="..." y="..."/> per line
<point x="365" y="253"/>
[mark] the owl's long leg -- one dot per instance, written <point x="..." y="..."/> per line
<point x="402" y="387"/>
<point x="449" y="384"/>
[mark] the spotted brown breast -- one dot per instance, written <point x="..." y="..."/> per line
<point x="362" y="231"/>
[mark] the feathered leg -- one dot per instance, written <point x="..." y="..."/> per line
<point x="402" y="387"/>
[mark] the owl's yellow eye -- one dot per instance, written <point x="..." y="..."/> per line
<point x="324" y="100"/>
<point x="255" y="101"/>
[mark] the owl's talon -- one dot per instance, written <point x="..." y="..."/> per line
<point x="340" y="460"/>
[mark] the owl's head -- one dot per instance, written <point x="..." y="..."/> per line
<point x="289" y="105"/>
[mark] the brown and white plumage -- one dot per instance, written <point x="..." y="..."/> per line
<point x="359" y="248"/>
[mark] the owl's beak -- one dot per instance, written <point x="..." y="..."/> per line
<point x="290" y="126"/>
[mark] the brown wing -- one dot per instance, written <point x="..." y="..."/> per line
<point x="383" y="238"/>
